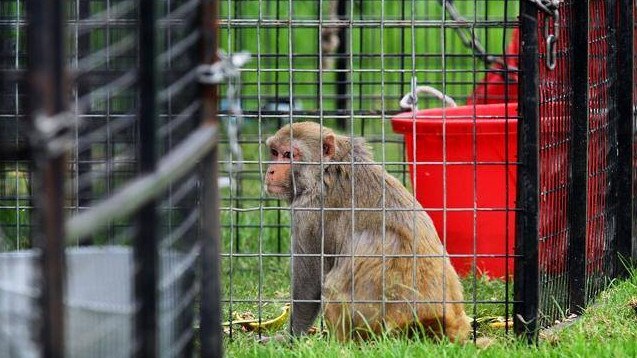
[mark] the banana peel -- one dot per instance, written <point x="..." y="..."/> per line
<point x="497" y="322"/>
<point x="253" y="325"/>
<point x="502" y="324"/>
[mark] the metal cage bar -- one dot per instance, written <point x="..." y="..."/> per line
<point x="47" y="78"/>
<point x="579" y="159"/>
<point x="625" y="90"/>
<point x="525" y="287"/>
<point x="145" y="244"/>
<point x="210" y="309"/>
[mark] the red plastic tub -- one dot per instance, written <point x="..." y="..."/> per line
<point x="456" y="170"/>
<point x="499" y="86"/>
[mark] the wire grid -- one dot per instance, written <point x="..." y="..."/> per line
<point x="110" y="158"/>
<point x="103" y="42"/>
<point x="103" y="63"/>
<point x="355" y="88"/>
<point x="602" y="151"/>
<point x="15" y="206"/>
<point x="556" y="94"/>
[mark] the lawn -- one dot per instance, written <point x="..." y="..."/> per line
<point x="608" y="328"/>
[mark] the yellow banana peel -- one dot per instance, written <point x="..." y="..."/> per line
<point x="266" y="325"/>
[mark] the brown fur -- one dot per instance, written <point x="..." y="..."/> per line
<point x="404" y="291"/>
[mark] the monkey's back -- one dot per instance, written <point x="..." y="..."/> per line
<point x="388" y="252"/>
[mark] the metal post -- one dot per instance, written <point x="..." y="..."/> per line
<point x="578" y="211"/>
<point x="210" y="307"/>
<point x="525" y="287"/>
<point x="85" y="193"/>
<point x="145" y="245"/>
<point x="625" y="130"/>
<point x="47" y="98"/>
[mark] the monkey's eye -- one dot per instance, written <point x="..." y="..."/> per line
<point x="274" y="152"/>
<point x="286" y="155"/>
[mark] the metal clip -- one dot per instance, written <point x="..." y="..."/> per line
<point x="227" y="67"/>
<point x="52" y="134"/>
<point x="551" y="38"/>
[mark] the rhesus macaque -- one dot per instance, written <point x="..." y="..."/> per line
<point x="329" y="37"/>
<point x="399" y="282"/>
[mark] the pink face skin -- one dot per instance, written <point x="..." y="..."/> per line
<point x="277" y="176"/>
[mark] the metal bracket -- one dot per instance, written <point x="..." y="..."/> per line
<point x="226" y="68"/>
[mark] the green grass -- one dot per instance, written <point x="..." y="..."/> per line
<point x="607" y="329"/>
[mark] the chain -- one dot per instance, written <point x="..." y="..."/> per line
<point x="551" y="22"/>
<point x="548" y="6"/>
<point x="228" y="68"/>
<point x="469" y="40"/>
<point x="233" y="126"/>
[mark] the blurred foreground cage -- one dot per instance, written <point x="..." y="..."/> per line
<point x="109" y="221"/>
<point x="536" y="190"/>
<point x="107" y="140"/>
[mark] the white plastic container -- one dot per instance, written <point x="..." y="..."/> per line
<point x="99" y="302"/>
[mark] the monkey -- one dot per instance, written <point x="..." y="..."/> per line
<point x="384" y="267"/>
<point x="330" y="40"/>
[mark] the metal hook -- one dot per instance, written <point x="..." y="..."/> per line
<point x="551" y="38"/>
<point x="551" y="52"/>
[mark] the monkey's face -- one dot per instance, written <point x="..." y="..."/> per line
<point x="291" y="172"/>
<point x="278" y="176"/>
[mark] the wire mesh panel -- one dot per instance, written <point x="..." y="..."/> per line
<point x="136" y="202"/>
<point x="603" y="160"/>
<point x="556" y="95"/>
<point x="346" y="65"/>
<point x="103" y="56"/>
<point x="15" y="206"/>
<point x="581" y="148"/>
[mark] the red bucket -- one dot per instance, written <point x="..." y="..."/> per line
<point x="499" y="85"/>
<point x="467" y="150"/>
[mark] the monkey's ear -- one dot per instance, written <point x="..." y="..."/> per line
<point x="329" y="148"/>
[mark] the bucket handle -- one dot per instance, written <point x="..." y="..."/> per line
<point x="410" y="100"/>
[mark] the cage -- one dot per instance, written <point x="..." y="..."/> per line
<point x="116" y="113"/>
<point x="347" y="64"/>
<point x="105" y="229"/>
